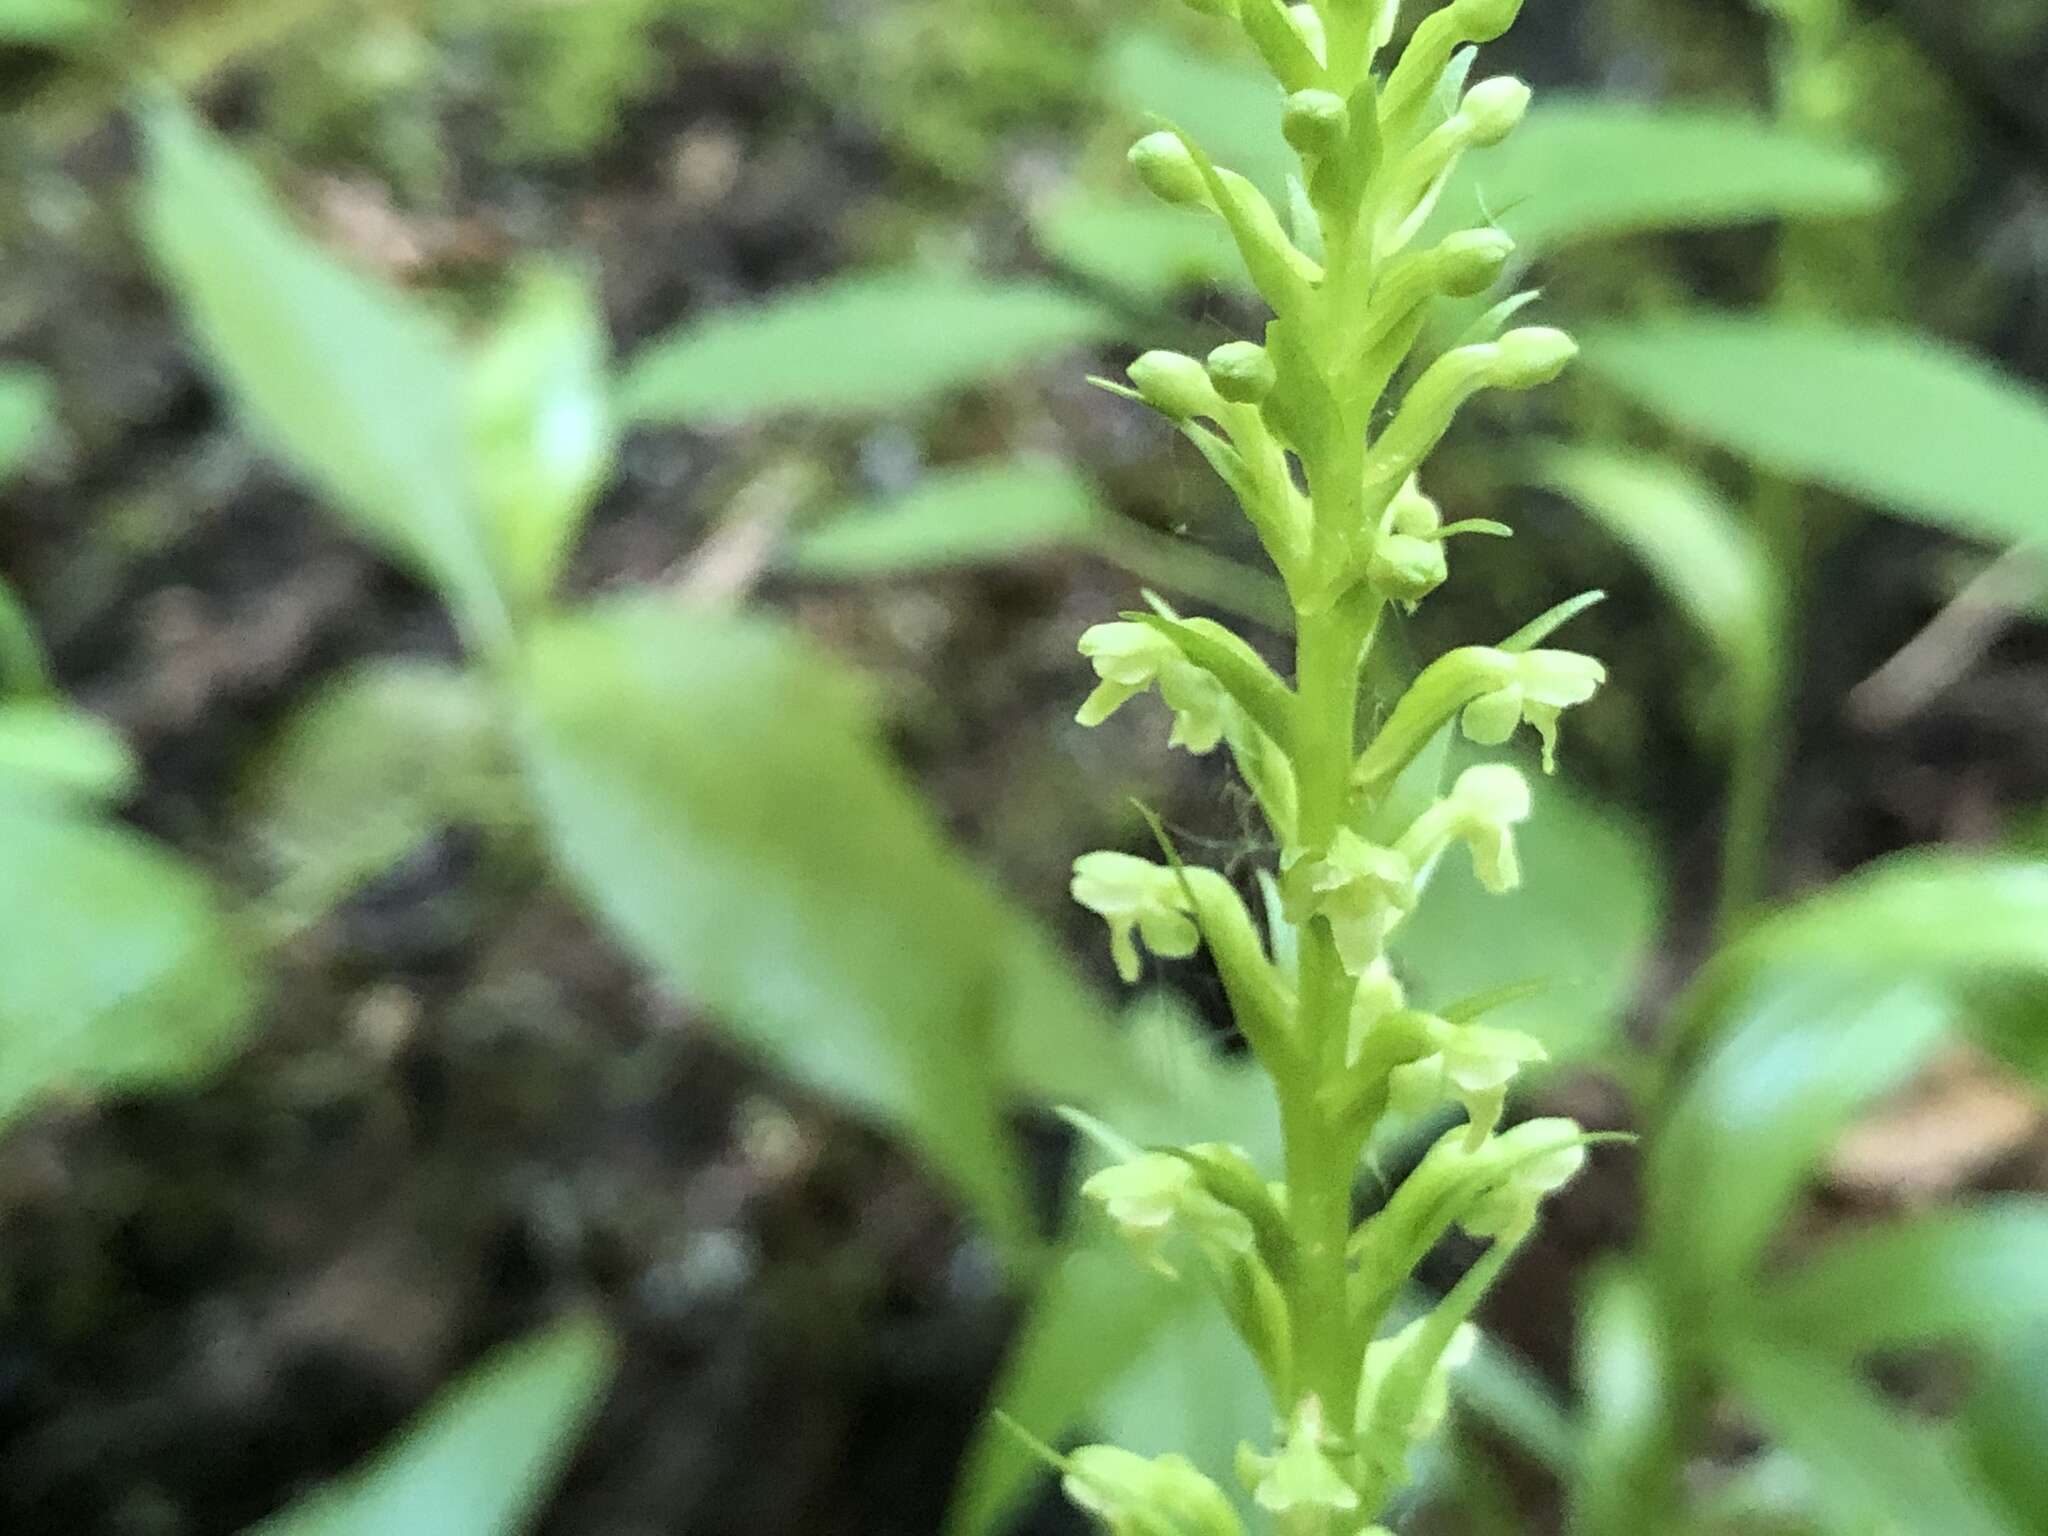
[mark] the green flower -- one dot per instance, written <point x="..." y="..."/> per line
<point x="1133" y="1496"/>
<point x="1362" y="890"/>
<point x="1302" y="1477"/>
<point x="1136" y="897"/>
<point x="1483" y="809"/>
<point x="1130" y="658"/>
<point x="1472" y="1064"/>
<point x="1392" y="1363"/>
<point x="1152" y="1197"/>
<point x="1543" y="685"/>
<point x="1509" y="1207"/>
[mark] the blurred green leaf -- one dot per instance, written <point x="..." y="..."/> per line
<point x="1875" y="1464"/>
<point x="1583" y="169"/>
<point x="1583" y="921"/>
<point x="1144" y="250"/>
<point x="1622" y="1483"/>
<point x="1232" y="110"/>
<point x="349" y="381"/>
<point x="122" y="970"/>
<point x="1810" y="1016"/>
<point x="53" y="23"/>
<point x="23" y="667"/>
<point x="1802" y="1057"/>
<point x="715" y="790"/>
<point x="2005" y="1425"/>
<point x="1690" y="538"/>
<point x="1063" y="1361"/>
<point x="1887" y="416"/>
<point x="1501" y="1389"/>
<point x="984" y="514"/>
<point x="857" y="345"/>
<point x="483" y="1458"/>
<point x="27" y="404"/>
<point x="1976" y="1275"/>
<point x="1194" y="1390"/>
<point x="541" y="426"/>
<point x="53" y="747"/>
<point x="374" y="766"/>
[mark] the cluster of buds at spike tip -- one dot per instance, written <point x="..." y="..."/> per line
<point x="1329" y="461"/>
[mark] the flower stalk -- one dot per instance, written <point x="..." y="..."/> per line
<point x="1328" y="470"/>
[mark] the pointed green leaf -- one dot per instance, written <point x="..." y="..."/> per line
<point x="981" y="515"/>
<point x="482" y="1459"/>
<point x="714" y="789"/>
<point x="118" y="967"/>
<point x="54" y="748"/>
<point x="349" y="381"/>
<point x="858" y="345"/>
<point x="381" y="760"/>
<point x="541" y="427"/>
<point x="1811" y="1049"/>
<point x="1895" y="419"/>
<point x="1689" y="537"/>
<point x="1584" y="169"/>
<point x="1876" y="1465"/>
<point x="1978" y="1275"/>
<point x="1144" y="250"/>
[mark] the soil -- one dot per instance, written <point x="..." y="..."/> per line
<point x="467" y="1111"/>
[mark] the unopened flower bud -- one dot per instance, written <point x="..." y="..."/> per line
<point x="1242" y="372"/>
<point x="1175" y="385"/>
<point x="1493" y="109"/>
<point x="1415" y="513"/>
<point x="1481" y="21"/>
<point x="1471" y="261"/>
<point x="1531" y="356"/>
<point x="1406" y="568"/>
<point x="1316" y="122"/>
<point x="1169" y="172"/>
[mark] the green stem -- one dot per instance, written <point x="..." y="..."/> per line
<point x="1320" y="1156"/>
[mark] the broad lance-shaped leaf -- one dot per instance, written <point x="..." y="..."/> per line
<point x="482" y="1459"/>
<point x="353" y="384"/>
<point x="51" y="748"/>
<point x="1137" y="247"/>
<point x="541" y="430"/>
<point x="1580" y="169"/>
<point x="1875" y="1466"/>
<point x="1801" y="1053"/>
<point x="859" y="345"/>
<point x="979" y="515"/>
<point x="1689" y="537"/>
<point x="121" y="971"/>
<point x="1895" y="419"/>
<point x="1976" y="1276"/>
<point x="714" y="789"/>
<point x="382" y="758"/>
